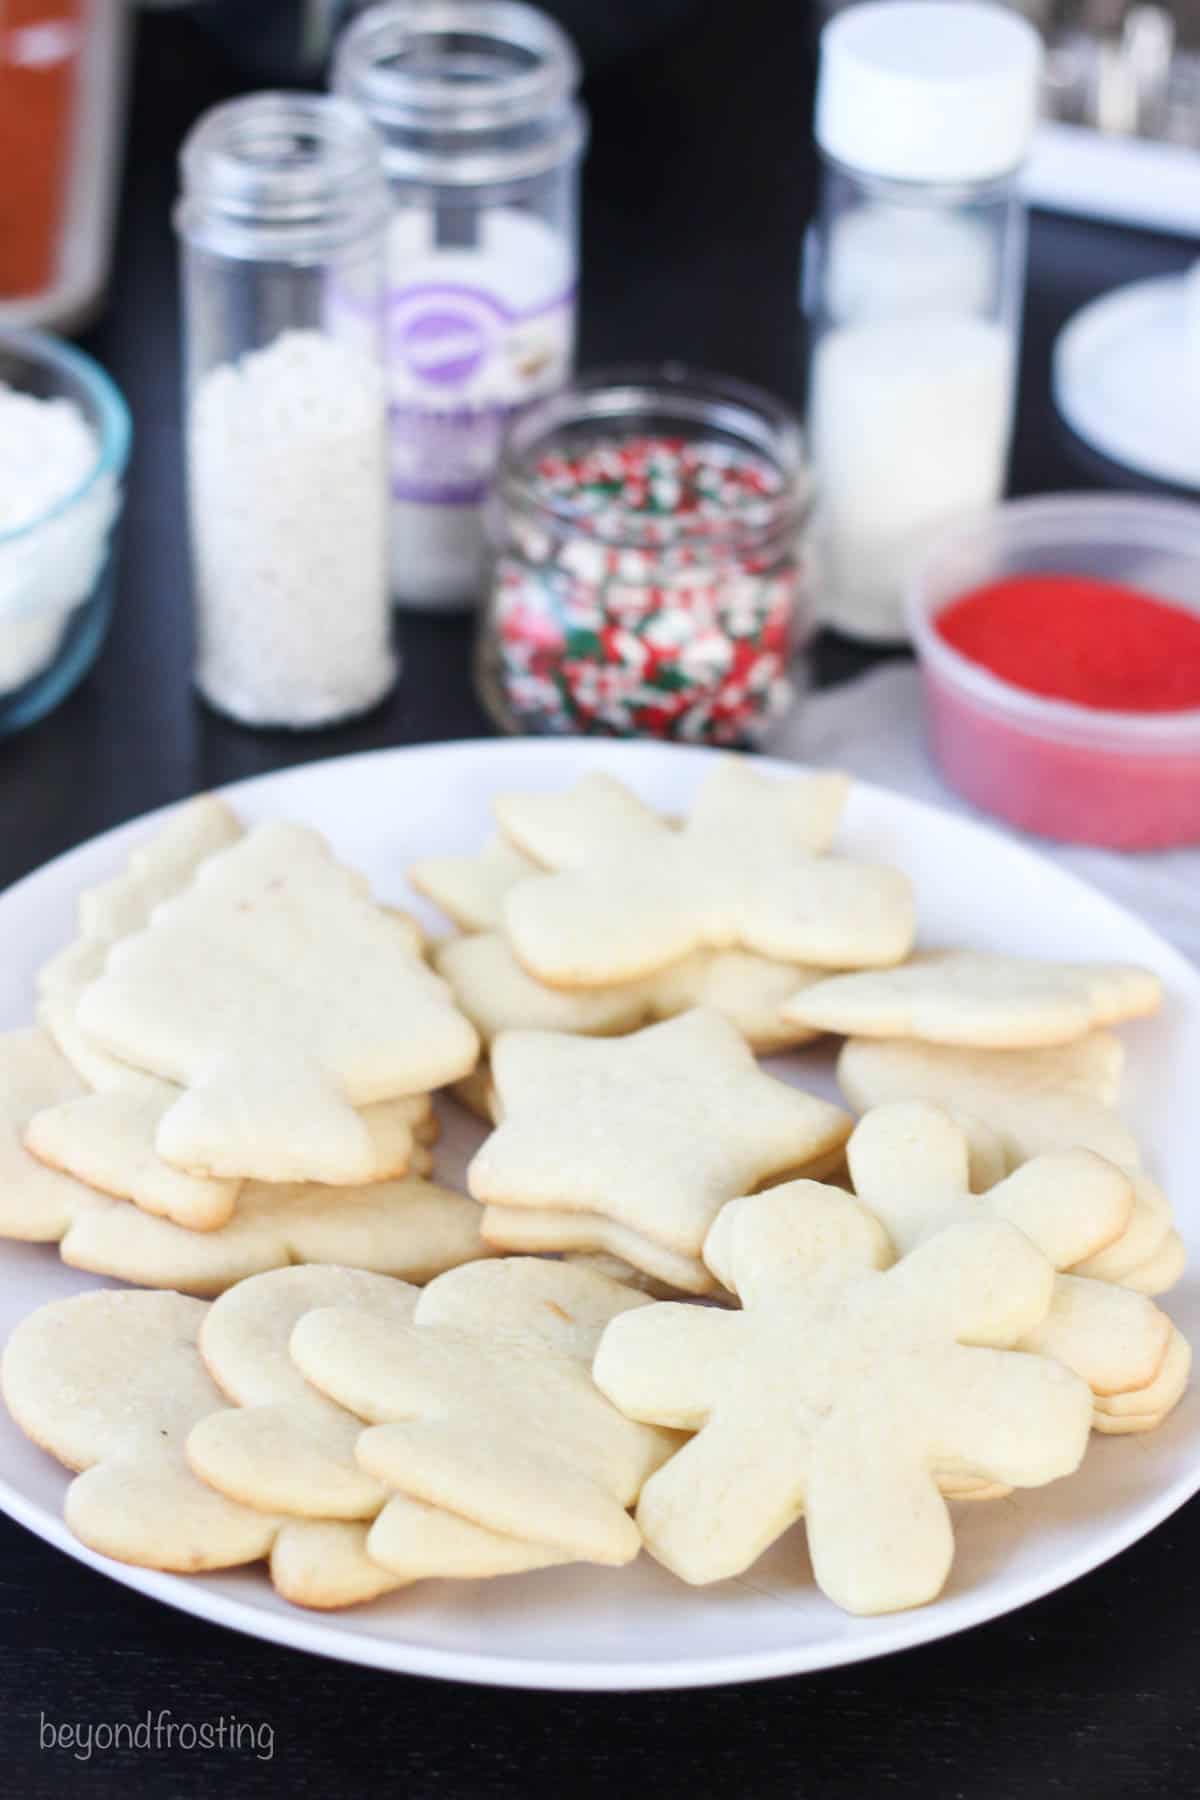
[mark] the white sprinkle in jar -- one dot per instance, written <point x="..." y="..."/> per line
<point x="282" y="218"/>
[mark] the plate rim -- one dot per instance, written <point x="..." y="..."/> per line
<point x="1096" y="320"/>
<point x="318" y="1633"/>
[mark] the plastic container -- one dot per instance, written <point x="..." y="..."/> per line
<point x="914" y="273"/>
<point x="475" y="103"/>
<point x="1129" y="781"/>
<point x="282" y="221"/>
<point x="650" y="568"/>
<point x="56" y="571"/>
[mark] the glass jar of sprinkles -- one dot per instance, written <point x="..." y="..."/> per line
<point x="649" y="573"/>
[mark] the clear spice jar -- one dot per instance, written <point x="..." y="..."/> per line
<point x="649" y="574"/>
<point x="914" y="275"/>
<point x="474" y="101"/>
<point x="282" y="221"/>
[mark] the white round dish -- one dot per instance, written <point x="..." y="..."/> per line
<point x="639" y="1628"/>
<point x="1126" y="377"/>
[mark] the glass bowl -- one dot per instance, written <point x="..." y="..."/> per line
<point x="56" y="570"/>
<point x="1128" y="781"/>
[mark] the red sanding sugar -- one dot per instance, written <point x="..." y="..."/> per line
<point x="1072" y="637"/>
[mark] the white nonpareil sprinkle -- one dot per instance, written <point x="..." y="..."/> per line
<point x="288" y="487"/>
<point x="47" y="451"/>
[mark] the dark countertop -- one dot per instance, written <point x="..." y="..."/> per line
<point x="697" y="189"/>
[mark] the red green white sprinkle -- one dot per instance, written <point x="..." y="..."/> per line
<point x="650" y="608"/>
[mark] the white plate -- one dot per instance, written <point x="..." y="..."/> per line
<point x="1125" y="381"/>
<point x="638" y="1627"/>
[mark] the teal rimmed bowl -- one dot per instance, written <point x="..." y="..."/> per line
<point x="57" y="568"/>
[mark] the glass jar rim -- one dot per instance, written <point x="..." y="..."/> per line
<point x="108" y="416"/>
<point x="513" y="115"/>
<point x="686" y="400"/>
<point x="264" y="174"/>
<point x="369" y="49"/>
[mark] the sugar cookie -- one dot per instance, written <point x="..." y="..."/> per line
<point x="409" y="1228"/>
<point x="1034" y="1102"/>
<point x="280" y="997"/>
<point x="840" y="1392"/>
<point x="979" y="1000"/>
<point x="111" y="1384"/>
<point x="497" y="994"/>
<point x="283" y="1447"/>
<point x="630" y="895"/>
<point x="471" y="889"/>
<point x="654" y="1131"/>
<point x="486" y="1405"/>
<point x="909" y="1165"/>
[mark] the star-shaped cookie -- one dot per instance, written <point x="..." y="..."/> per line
<point x="655" y="1130"/>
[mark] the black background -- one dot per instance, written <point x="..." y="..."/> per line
<point x="697" y="188"/>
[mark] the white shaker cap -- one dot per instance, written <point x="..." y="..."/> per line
<point x="928" y="90"/>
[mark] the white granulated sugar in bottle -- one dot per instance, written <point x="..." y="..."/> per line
<point x="47" y="451"/>
<point x="909" y="420"/>
<point x="288" y="490"/>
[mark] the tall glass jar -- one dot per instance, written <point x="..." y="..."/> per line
<point x="282" y="224"/>
<point x="913" y="282"/>
<point x="474" y="100"/>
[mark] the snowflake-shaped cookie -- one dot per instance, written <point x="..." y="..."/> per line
<point x="1033" y="1102"/>
<point x="909" y="1165"/>
<point x="747" y="870"/>
<point x="841" y="1391"/>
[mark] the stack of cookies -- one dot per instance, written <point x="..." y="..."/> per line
<point x="201" y="1445"/>
<point x="630" y="1148"/>
<point x="935" y="1302"/>
<point x="1023" y="1051"/>
<point x="233" y="1071"/>
<point x="652" y="955"/>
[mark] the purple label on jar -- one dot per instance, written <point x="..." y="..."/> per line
<point x="442" y="335"/>
<point x="443" y="346"/>
<point x="461" y="363"/>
